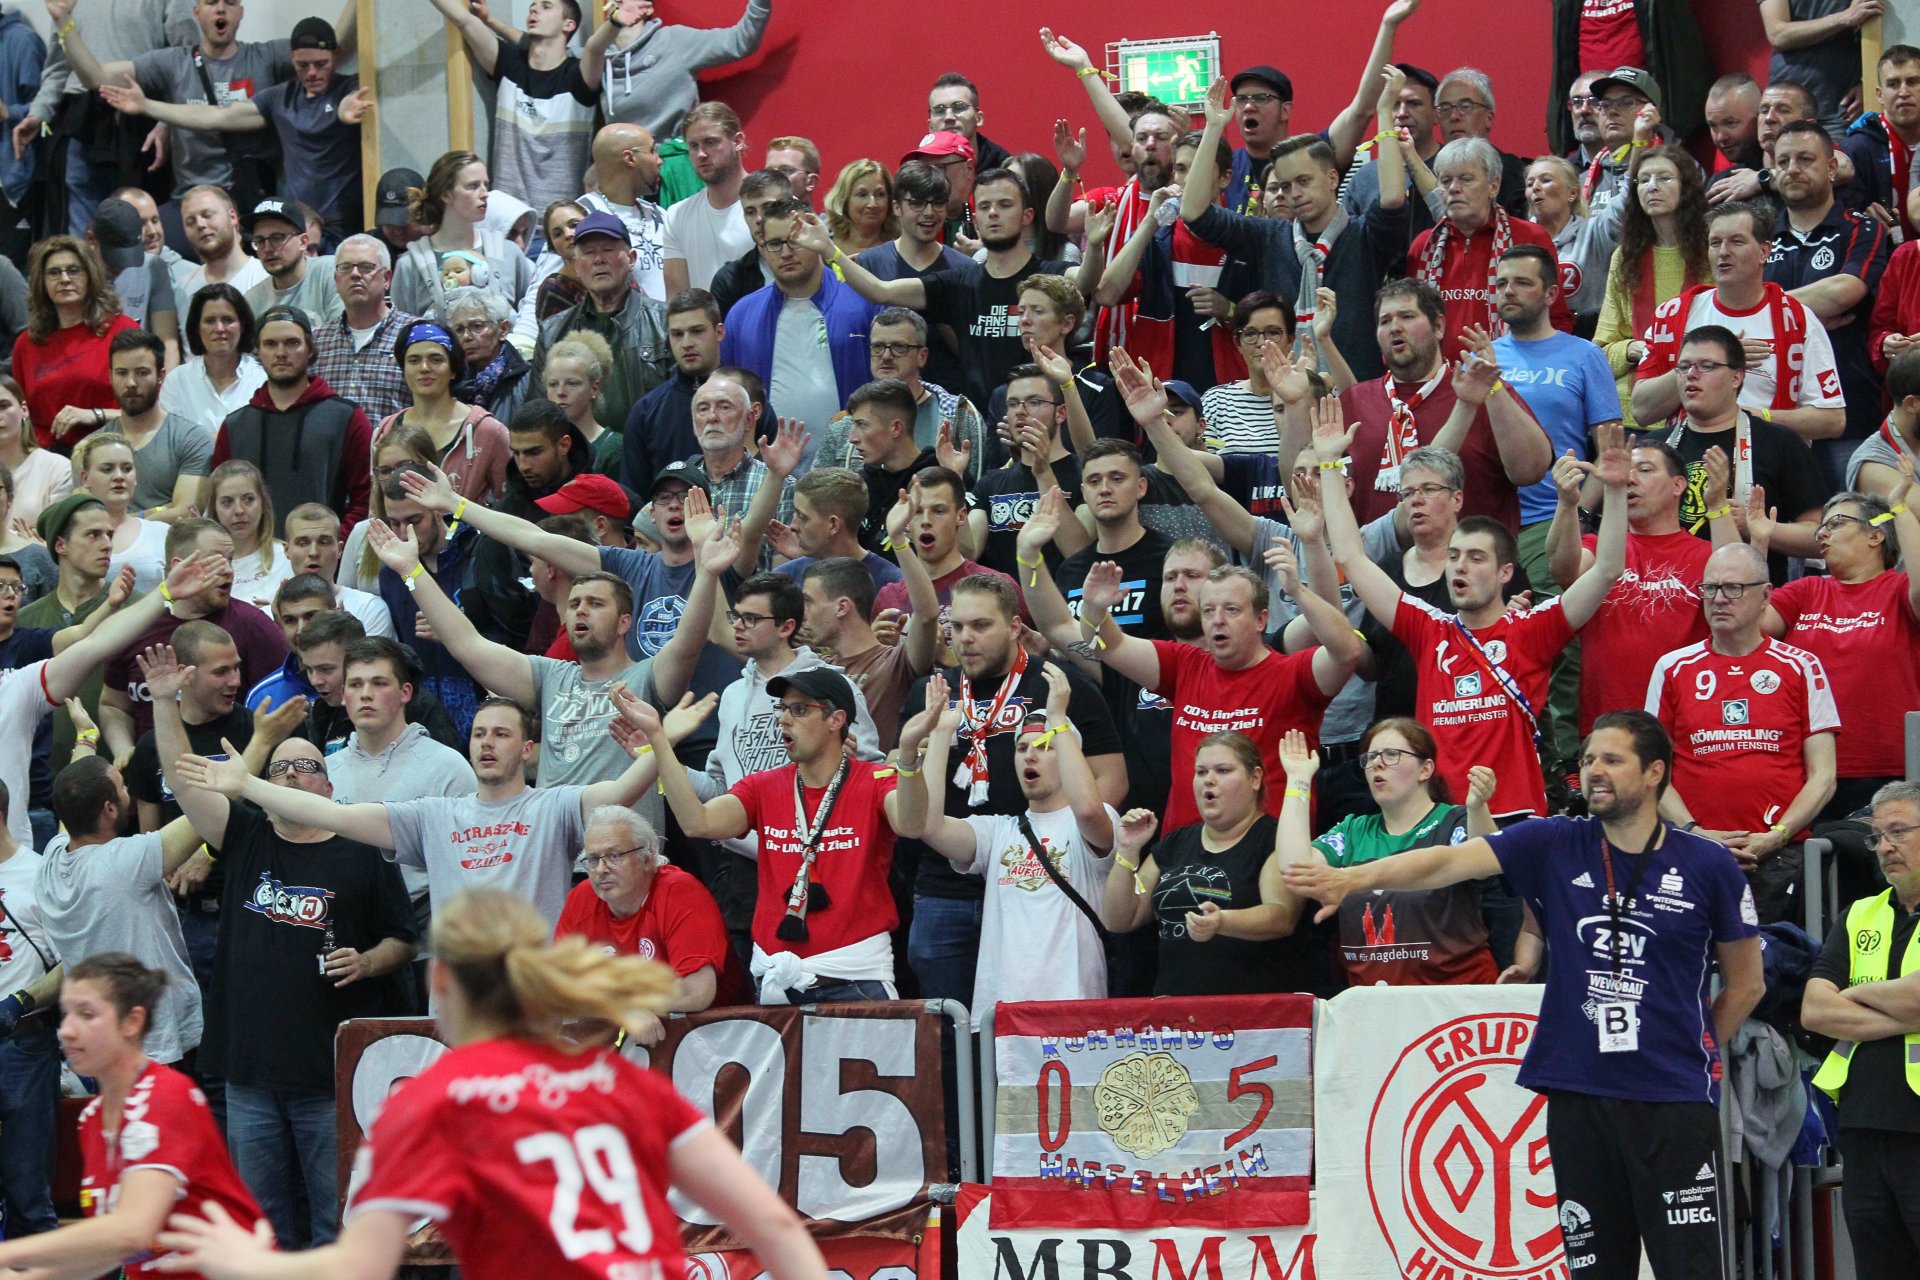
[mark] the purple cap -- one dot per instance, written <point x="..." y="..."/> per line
<point x="601" y="223"/>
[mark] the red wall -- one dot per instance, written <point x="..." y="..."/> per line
<point x="853" y="74"/>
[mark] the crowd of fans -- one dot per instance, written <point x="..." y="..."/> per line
<point x="947" y="577"/>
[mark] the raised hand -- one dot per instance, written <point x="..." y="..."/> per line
<point x="1568" y="475"/>
<point x="920" y="725"/>
<point x="82" y="722"/>
<point x="1332" y="437"/>
<point x="1326" y="885"/>
<point x="1297" y="760"/>
<point x="1135" y="829"/>
<point x="1064" y="51"/>
<point x="128" y="98"/>
<point x="1761" y="519"/>
<point x="1101" y="591"/>
<point x="1069" y="148"/>
<point x="955" y="455"/>
<point x="886" y="627"/>
<point x="1145" y="397"/>
<point x="1614" y="467"/>
<point x="356" y="106"/>
<point x="1042" y="525"/>
<point x="1897" y="496"/>
<point x="274" y="725"/>
<point x="197" y="573"/>
<point x="1284" y="563"/>
<point x="121" y="590"/>
<point x="164" y="675"/>
<point x="688" y="715"/>
<point x="1326" y="308"/>
<point x="228" y="776"/>
<point x="900" y="515"/>
<point x="781" y="537"/>
<point x="59" y="11"/>
<point x="1101" y="215"/>
<point x="1719" y="476"/>
<point x="635" y="710"/>
<point x="1219" y="102"/>
<point x="1058" y="691"/>
<point x="1392" y="81"/>
<point x="697" y="516"/>
<point x="1646" y="125"/>
<point x="811" y="234"/>
<point x="1480" y="786"/>
<point x="1478" y="370"/>
<point x="402" y="555"/>
<point x="433" y="490"/>
<point x="1289" y="378"/>
<point x="1304" y="517"/>
<point x="1054" y="364"/>
<point x="782" y="453"/>
<point x="721" y="549"/>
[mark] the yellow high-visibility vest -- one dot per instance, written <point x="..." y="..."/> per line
<point x="1870" y="924"/>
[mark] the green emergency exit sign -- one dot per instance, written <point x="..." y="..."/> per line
<point x="1176" y="71"/>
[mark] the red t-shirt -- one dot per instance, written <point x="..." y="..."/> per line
<point x="533" y="1161"/>
<point x="854" y="857"/>
<point x="1466" y="278"/>
<point x="1263" y="701"/>
<point x="1865" y="636"/>
<point x="679" y="925"/>
<point x="1489" y="492"/>
<point x="1737" y="726"/>
<point x="1609" y="38"/>
<point x="166" y="1126"/>
<point x="1473" y="719"/>
<point x="69" y="368"/>
<point x="1652" y="610"/>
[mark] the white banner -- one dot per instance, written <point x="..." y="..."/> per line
<point x="1437" y="1158"/>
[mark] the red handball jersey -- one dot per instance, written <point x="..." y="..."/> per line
<point x="1865" y="636"/>
<point x="1462" y="699"/>
<point x="534" y="1162"/>
<point x="1263" y="701"/>
<point x="855" y="855"/>
<point x="1652" y="610"/>
<point x="166" y="1126"/>
<point x="679" y="925"/>
<point x="1737" y="726"/>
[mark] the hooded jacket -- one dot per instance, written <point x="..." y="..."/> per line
<point x="500" y="600"/>
<point x="476" y="462"/>
<point x="754" y="322"/>
<point x="651" y="81"/>
<point x="317" y="449"/>
<point x="22" y="54"/>
<point x="416" y="277"/>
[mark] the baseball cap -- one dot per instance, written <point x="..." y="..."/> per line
<point x="602" y="495"/>
<point x="1181" y="390"/>
<point x="602" y="223"/>
<point x="292" y="315"/>
<point x="392" y="202"/>
<point x="933" y="146"/>
<point x="276" y="209"/>
<point x="690" y="474"/>
<point x="56" y="517"/>
<point x="314" y="33"/>
<point x="116" y="229"/>
<point x="823" y="684"/>
<point x="1266" y="75"/>
<point x="1633" y="78"/>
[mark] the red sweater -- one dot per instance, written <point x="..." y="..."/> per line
<point x="1465" y="275"/>
<point x="69" y="368"/>
<point x="1896" y="306"/>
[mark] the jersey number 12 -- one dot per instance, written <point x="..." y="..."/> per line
<point x="595" y="1157"/>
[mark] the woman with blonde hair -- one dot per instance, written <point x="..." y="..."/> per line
<point x="103" y="465"/>
<point x="453" y="206"/>
<point x="41" y="477"/>
<point x="859" y="206"/>
<point x="565" y="1152"/>
<point x="61" y="357"/>
<point x="577" y="367"/>
<point x="402" y="443"/>
<point x="1582" y="240"/>
<point x="1663" y="249"/>
<point x="237" y="498"/>
<point x="470" y="444"/>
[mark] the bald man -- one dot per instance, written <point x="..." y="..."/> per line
<point x="626" y="173"/>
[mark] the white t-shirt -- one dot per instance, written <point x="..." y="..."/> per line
<point x="1819" y="378"/>
<point x="1034" y="943"/>
<point x="244" y="279"/>
<point x="525" y="845"/>
<point x="708" y="238"/>
<point x="189" y="393"/>
<point x="372" y="611"/>
<point x="23" y="701"/>
<point x="24" y="944"/>
<point x="255" y="584"/>
<point x="147" y="555"/>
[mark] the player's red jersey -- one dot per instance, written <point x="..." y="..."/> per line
<point x="166" y="1126"/>
<point x="1652" y="610"/>
<point x="1737" y="726"/>
<point x="533" y="1161"/>
<point x="1462" y="699"/>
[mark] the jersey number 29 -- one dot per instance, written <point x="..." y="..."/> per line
<point x="595" y="1157"/>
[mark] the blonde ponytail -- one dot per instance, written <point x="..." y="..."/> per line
<point x="496" y="946"/>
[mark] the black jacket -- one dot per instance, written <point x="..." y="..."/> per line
<point x="498" y="599"/>
<point x="1677" y="55"/>
<point x="511" y="388"/>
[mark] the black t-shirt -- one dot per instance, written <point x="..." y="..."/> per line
<point x="1876" y="1095"/>
<point x="1008" y="495"/>
<point x="1190" y="875"/>
<point x="1782" y="464"/>
<point x="144" y="780"/>
<point x="282" y="901"/>
<point x="984" y="311"/>
<point x="1106" y="411"/>
<point x="1253" y="481"/>
<point x="883" y="490"/>
<point x="1147" y="718"/>
<point x="510" y="64"/>
<point x="1085" y="707"/>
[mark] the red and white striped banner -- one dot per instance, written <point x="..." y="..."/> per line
<point x="1146" y="1113"/>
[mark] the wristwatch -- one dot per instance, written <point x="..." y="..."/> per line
<point x="1766" y="179"/>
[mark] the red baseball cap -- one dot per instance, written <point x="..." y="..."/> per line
<point x="943" y="143"/>
<point x="602" y="495"/>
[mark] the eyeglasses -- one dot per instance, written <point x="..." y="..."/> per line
<point x="1254" y="99"/>
<point x="1687" y="368"/>
<point x="594" y="861"/>
<point x="773" y="248"/>
<point x="299" y="764"/>
<point x="273" y="241"/>
<point x="472" y="329"/>
<point x="914" y="202"/>
<point x="355" y="268"/>
<point x="671" y="499"/>
<point x="1034" y="404"/>
<point x="1411" y="492"/>
<point x="1725" y="590"/>
<point x="895" y="349"/>
<point x="11" y="589"/>
<point x="1388" y="756"/>
<point x="66" y="273"/>
<point x="1835" y="523"/>
<point x="1877" y="838"/>
<point x="747" y="619"/>
<point x="1263" y="335"/>
<point x="1583" y="102"/>
<point x="1463" y="107"/>
<point x="799" y="710"/>
<point x="1621" y="102"/>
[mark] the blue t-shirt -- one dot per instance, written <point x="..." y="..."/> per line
<point x="881" y="569"/>
<point x="1569" y="385"/>
<point x="1686" y="896"/>
<point x="659" y="598"/>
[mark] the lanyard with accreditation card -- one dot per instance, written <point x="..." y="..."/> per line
<point x="1618" y="1021"/>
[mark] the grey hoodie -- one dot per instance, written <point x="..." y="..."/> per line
<point x="650" y="82"/>
<point x="412" y="765"/>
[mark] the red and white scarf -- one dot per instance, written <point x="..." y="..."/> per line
<point x="1432" y="269"/>
<point x="1116" y="322"/>
<point x="1403" y="433"/>
<point x="1788" y="321"/>
<point x="1897" y="442"/>
<point x="972" y="770"/>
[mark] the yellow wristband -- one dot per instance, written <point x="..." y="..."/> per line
<point x="406" y="579"/>
<point x="1131" y="866"/>
<point x="1725" y="509"/>
<point x="459" y="510"/>
<point x="1088" y="71"/>
<point x="67" y="29"/>
<point x="1298" y="794"/>
<point x="1498" y="385"/>
<point x="904" y="772"/>
<point x="1766" y="415"/>
<point x="1339" y="464"/>
<point x="1889" y="514"/>
<point x="1781" y="827"/>
<point x="87" y="735"/>
<point x="165" y="594"/>
<point x="1033" y="579"/>
<point x="834" y="261"/>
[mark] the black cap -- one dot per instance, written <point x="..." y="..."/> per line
<point x="823" y="684"/>
<point x="314" y="33"/>
<point x="1633" y="79"/>
<point x="690" y="474"/>
<point x="116" y="230"/>
<point x="292" y="315"/>
<point x="392" y="202"/>
<point x="1271" y="76"/>
<point x="277" y="210"/>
